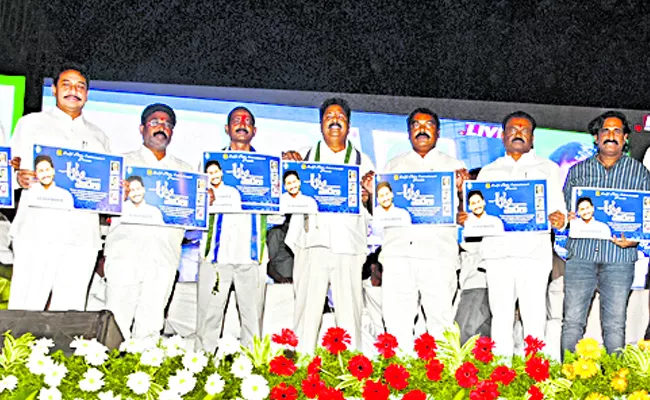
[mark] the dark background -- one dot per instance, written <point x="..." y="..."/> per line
<point x="589" y="53"/>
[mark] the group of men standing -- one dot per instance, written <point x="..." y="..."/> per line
<point x="55" y="250"/>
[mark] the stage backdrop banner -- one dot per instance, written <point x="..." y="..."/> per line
<point x="76" y="179"/>
<point x="6" y="179"/>
<point x="602" y="213"/>
<point x="415" y="198"/>
<point x="243" y="181"/>
<point x="165" y="197"/>
<point x="333" y="188"/>
<point x="497" y="207"/>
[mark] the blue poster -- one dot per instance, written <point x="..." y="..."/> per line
<point x="6" y="179"/>
<point x="602" y="213"/>
<point x="165" y="197"/>
<point x="415" y="198"/>
<point x="497" y="207"/>
<point x="310" y="187"/>
<point x="77" y="179"/>
<point x="243" y="181"/>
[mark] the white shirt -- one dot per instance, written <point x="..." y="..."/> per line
<point x="580" y="229"/>
<point x="52" y="197"/>
<point x="486" y="225"/>
<point x="141" y="214"/>
<point x="57" y="129"/>
<point x="529" y="166"/>
<point x="160" y="244"/>
<point x="226" y="199"/>
<point x="300" y="204"/>
<point x="422" y="241"/>
<point x="646" y="159"/>
<point x="341" y="233"/>
<point x="394" y="216"/>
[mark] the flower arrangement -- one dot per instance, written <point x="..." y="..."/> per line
<point x="439" y="369"/>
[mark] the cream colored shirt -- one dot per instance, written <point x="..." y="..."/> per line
<point x="341" y="233"/>
<point x="529" y="166"/>
<point x="57" y="129"/>
<point x="422" y="241"/>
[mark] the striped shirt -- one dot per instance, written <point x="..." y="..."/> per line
<point x="626" y="174"/>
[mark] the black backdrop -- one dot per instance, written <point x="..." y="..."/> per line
<point x="591" y="53"/>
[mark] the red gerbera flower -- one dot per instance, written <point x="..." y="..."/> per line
<point x="434" y="370"/>
<point x="415" y="395"/>
<point x="375" y="390"/>
<point x="336" y="340"/>
<point x="535" y="393"/>
<point x="483" y="349"/>
<point x="386" y="345"/>
<point x="287" y="337"/>
<point x="533" y="345"/>
<point x="330" y="394"/>
<point x="314" y="366"/>
<point x="284" y="392"/>
<point x="485" y="390"/>
<point x="312" y="386"/>
<point x="397" y="376"/>
<point x="425" y="346"/>
<point x="466" y="375"/>
<point x="282" y="366"/>
<point x="360" y="367"/>
<point x="537" y="368"/>
<point x="503" y="374"/>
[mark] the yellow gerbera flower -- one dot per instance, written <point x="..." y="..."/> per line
<point x="622" y="373"/>
<point x="639" y="395"/>
<point x="584" y="368"/>
<point x="644" y="345"/>
<point x="596" y="396"/>
<point x="568" y="371"/>
<point x="619" y="383"/>
<point x="589" y="348"/>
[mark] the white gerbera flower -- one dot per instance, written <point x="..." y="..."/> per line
<point x="55" y="375"/>
<point x="255" y="387"/>
<point x="93" y="380"/>
<point x="9" y="383"/>
<point x="42" y="346"/>
<point x="49" y="394"/>
<point x="214" y="384"/>
<point x="182" y="383"/>
<point x="80" y="346"/>
<point x="139" y="382"/>
<point x="38" y="363"/>
<point x="195" y="361"/>
<point x="242" y="367"/>
<point x="228" y="345"/>
<point x="108" y="396"/>
<point x="169" y="395"/>
<point x="133" y="346"/>
<point x="152" y="357"/>
<point x="96" y="357"/>
<point x="174" y="346"/>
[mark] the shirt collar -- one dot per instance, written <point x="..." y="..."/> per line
<point x="59" y="114"/>
<point x="148" y="155"/>
<point x="525" y="158"/>
<point x="431" y="155"/>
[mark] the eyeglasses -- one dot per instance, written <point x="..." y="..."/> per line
<point x="616" y="131"/>
<point x="156" y="122"/>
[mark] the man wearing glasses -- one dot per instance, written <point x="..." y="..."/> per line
<point x="606" y="264"/>
<point x="138" y="287"/>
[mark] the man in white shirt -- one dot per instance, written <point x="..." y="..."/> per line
<point x="141" y="259"/>
<point x="293" y="201"/>
<point x="231" y="255"/>
<point x="136" y="210"/>
<point x="420" y="260"/>
<point x="67" y="240"/>
<point x="330" y="248"/>
<point x="387" y="214"/>
<point x="480" y="223"/>
<point x="518" y="263"/>
<point x="587" y="227"/>
<point x="223" y="198"/>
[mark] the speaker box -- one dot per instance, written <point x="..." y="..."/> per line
<point x="62" y="327"/>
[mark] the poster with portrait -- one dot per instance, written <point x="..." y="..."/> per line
<point x="6" y="179"/>
<point x="165" y="197"/>
<point x="240" y="181"/>
<point x="311" y="187"/>
<point x="603" y="213"/>
<point x="412" y="198"/>
<point x="75" y="179"/>
<point x="497" y="207"/>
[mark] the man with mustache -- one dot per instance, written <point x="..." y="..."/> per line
<point x="605" y="264"/>
<point x="330" y="248"/>
<point x="231" y="255"/>
<point x="518" y="264"/>
<point x="420" y="260"/>
<point x="67" y="240"/>
<point x="138" y="287"/>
